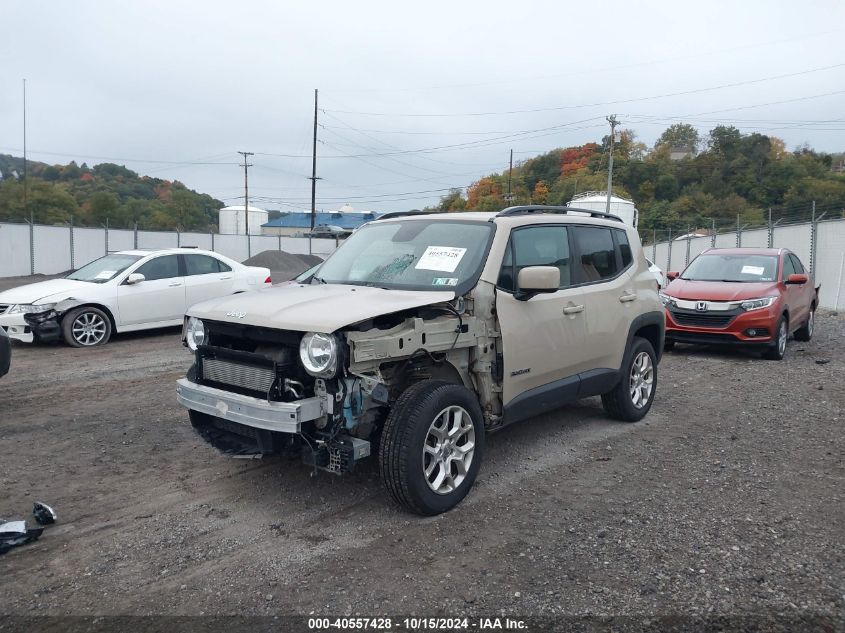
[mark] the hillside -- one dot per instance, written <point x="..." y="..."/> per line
<point x="55" y="193"/>
<point x="725" y="175"/>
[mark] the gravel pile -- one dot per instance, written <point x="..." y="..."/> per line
<point x="283" y="266"/>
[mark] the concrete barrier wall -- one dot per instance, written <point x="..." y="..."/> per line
<point x="57" y="250"/>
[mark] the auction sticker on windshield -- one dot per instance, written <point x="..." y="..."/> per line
<point x="752" y="270"/>
<point x="105" y="274"/>
<point x="443" y="258"/>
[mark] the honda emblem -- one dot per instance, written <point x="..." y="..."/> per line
<point x="701" y="306"/>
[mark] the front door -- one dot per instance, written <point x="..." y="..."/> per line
<point x="543" y="337"/>
<point x="160" y="297"/>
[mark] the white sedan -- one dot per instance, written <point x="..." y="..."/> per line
<point x="654" y="269"/>
<point x="123" y="292"/>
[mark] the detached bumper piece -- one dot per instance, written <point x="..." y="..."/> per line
<point x="44" y="326"/>
<point x="338" y="456"/>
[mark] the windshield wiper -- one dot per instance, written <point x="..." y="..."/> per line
<point x="319" y="280"/>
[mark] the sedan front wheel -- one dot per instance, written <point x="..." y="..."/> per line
<point x="86" y="327"/>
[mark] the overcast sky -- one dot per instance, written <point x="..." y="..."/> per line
<point x="144" y="83"/>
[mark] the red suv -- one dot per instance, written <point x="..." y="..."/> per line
<point x="752" y="297"/>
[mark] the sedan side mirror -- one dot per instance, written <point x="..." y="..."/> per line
<point x="533" y="280"/>
<point x="135" y="278"/>
<point x="672" y="276"/>
<point x="797" y="278"/>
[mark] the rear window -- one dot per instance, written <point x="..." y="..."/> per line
<point x="596" y="252"/>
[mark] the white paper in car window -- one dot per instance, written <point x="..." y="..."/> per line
<point x="752" y="270"/>
<point x="443" y="258"/>
<point x="105" y="274"/>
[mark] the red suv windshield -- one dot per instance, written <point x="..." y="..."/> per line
<point x="738" y="268"/>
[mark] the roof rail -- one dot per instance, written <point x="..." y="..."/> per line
<point x="528" y="209"/>
<point x="402" y="214"/>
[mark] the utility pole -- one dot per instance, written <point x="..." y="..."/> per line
<point x="313" y="178"/>
<point x="613" y="123"/>
<point x="246" y="167"/>
<point x="509" y="196"/>
<point x="25" y="205"/>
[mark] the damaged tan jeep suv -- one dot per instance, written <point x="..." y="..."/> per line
<point x="422" y="334"/>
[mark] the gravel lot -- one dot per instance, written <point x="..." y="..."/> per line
<point x="727" y="500"/>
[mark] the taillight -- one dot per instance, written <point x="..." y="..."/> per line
<point x="268" y="280"/>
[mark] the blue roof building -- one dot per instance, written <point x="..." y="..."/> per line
<point x="297" y="222"/>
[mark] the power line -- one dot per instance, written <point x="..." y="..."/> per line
<point x="603" y="103"/>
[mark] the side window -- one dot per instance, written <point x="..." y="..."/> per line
<point x="536" y="246"/>
<point x="163" y="267"/>
<point x="201" y="265"/>
<point x="624" y="247"/>
<point x="224" y="267"/>
<point x="796" y="264"/>
<point x="788" y="267"/>
<point x="597" y="254"/>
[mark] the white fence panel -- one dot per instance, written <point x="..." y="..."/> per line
<point x="233" y="246"/>
<point x="796" y="238"/>
<point x="323" y="247"/>
<point x="660" y="254"/>
<point x="261" y="243"/>
<point x="755" y="238"/>
<point x="121" y="240"/>
<point x="830" y="264"/>
<point x="156" y="239"/>
<point x="52" y="249"/>
<point x="14" y="250"/>
<point x="679" y="253"/>
<point x="88" y="245"/>
<point x="726" y="240"/>
<point x="200" y="240"/>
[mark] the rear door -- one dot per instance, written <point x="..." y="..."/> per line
<point x="799" y="297"/>
<point x="206" y="277"/>
<point x="160" y="297"/>
<point x="543" y="337"/>
<point x="604" y="269"/>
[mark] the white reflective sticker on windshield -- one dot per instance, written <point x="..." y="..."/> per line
<point x="105" y="274"/>
<point x="752" y="270"/>
<point x="444" y="281"/>
<point x="445" y="258"/>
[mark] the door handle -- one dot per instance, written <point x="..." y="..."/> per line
<point x="627" y="298"/>
<point x="573" y="309"/>
<point x="226" y="277"/>
<point x="175" y="283"/>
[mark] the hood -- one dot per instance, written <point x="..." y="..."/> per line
<point x="314" y="308"/>
<point x="45" y="291"/>
<point x="720" y="290"/>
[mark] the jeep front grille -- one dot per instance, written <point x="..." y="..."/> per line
<point x="238" y="374"/>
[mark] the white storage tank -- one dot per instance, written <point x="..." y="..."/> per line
<point x="233" y="220"/>
<point x="597" y="201"/>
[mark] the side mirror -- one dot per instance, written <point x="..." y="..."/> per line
<point x="533" y="280"/>
<point x="672" y="276"/>
<point x="135" y="278"/>
<point x="797" y="278"/>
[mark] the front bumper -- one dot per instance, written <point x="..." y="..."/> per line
<point x="257" y="413"/>
<point x="733" y="333"/>
<point x="41" y="326"/>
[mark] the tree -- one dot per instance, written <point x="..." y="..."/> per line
<point x="724" y="140"/>
<point x="679" y="135"/>
<point x="541" y="193"/>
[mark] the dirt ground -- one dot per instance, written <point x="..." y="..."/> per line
<point x="727" y="500"/>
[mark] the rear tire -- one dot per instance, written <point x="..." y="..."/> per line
<point x="86" y="327"/>
<point x="778" y="349"/>
<point x="631" y="399"/>
<point x="432" y="445"/>
<point x="805" y="333"/>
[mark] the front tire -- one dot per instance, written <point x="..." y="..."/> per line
<point x="86" y="327"/>
<point x="432" y="446"/>
<point x="778" y="349"/>
<point x="631" y="399"/>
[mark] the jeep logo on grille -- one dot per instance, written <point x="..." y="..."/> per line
<point x="236" y="315"/>
<point x="701" y="306"/>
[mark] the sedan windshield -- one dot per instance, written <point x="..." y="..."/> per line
<point x="741" y="268"/>
<point x="410" y="255"/>
<point x="104" y="269"/>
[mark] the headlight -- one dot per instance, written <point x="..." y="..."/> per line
<point x="666" y="299"/>
<point x="27" y="308"/>
<point x="194" y="333"/>
<point x="757" y="304"/>
<point x="318" y="353"/>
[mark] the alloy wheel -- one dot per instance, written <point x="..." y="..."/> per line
<point x="782" y="338"/>
<point x="642" y="380"/>
<point x="448" y="450"/>
<point x="89" y="329"/>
